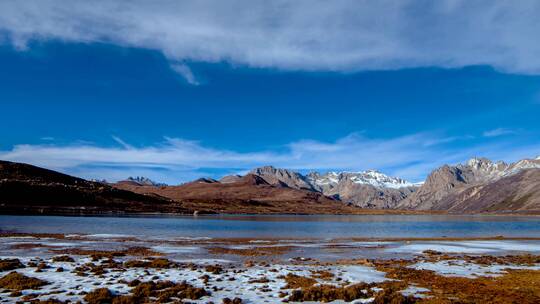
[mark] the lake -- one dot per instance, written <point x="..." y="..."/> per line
<point x="281" y="226"/>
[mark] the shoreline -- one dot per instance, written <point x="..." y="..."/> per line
<point x="4" y="234"/>
<point x="361" y="212"/>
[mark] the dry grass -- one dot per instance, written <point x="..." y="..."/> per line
<point x="295" y="281"/>
<point x="10" y="264"/>
<point x="99" y="296"/>
<point x="63" y="258"/>
<point x="165" y="291"/>
<point x="329" y="293"/>
<point x="214" y="269"/>
<point x="322" y="274"/>
<point x="255" y="251"/>
<point x="101" y="254"/>
<point x="154" y="263"/>
<point x="148" y="292"/>
<point x="17" y="281"/>
<point x="30" y="246"/>
<point x="517" y="286"/>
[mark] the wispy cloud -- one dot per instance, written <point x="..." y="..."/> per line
<point x="499" y="132"/>
<point x="175" y="160"/>
<point x="185" y="72"/>
<point x="341" y="35"/>
<point x="122" y="143"/>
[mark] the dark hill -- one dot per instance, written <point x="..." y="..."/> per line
<point x="30" y="189"/>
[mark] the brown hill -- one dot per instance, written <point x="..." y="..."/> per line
<point x="518" y="193"/>
<point x="29" y="189"/>
<point x="248" y="194"/>
<point x="480" y="186"/>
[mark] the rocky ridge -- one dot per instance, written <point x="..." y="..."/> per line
<point x="445" y="184"/>
<point x="367" y="189"/>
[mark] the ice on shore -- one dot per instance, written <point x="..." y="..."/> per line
<point x="175" y="249"/>
<point x="468" y="247"/>
<point x="466" y="269"/>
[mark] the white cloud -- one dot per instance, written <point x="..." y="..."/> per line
<point x="186" y="72"/>
<point x="176" y="160"/>
<point x="499" y="132"/>
<point x="121" y="142"/>
<point x="341" y="35"/>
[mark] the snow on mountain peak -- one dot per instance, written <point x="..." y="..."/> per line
<point x="484" y="169"/>
<point x="144" y="181"/>
<point x="477" y="162"/>
<point x="368" y="177"/>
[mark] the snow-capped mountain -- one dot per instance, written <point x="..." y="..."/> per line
<point x="369" y="177"/>
<point x="440" y="191"/>
<point x="370" y="188"/>
<point x="483" y="169"/>
<point x="366" y="189"/>
<point x="144" y="181"/>
<point x="447" y="181"/>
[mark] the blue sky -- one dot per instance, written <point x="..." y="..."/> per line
<point x="112" y="101"/>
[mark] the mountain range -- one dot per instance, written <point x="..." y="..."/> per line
<point x="477" y="186"/>
<point x="468" y="187"/>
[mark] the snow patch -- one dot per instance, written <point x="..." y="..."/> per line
<point x="461" y="268"/>
<point x="470" y="247"/>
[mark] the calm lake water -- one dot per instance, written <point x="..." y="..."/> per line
<point x="284" y="226"/>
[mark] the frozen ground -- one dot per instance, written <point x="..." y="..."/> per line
<point x="233" y="282"/>
<point x="239" y="279"/>
<point x="462" y="268"/>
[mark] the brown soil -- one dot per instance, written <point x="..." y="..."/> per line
<point x="35" y="235"/>
<point x="255" y="251"/>
<point x="30" y="246"/>
<point x="101" y="254"/>
<point x="17" y="281"/>
<point x="425" y="239"/>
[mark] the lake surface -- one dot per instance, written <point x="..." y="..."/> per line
<point x="282" y="226"/>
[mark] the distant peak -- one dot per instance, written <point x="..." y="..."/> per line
<point x="253" y="179"/>
<point x="269" y="169"/>
<point x="144" y="181"/>
<point x="368" y="177"/>
<point x="266" y="168"/>
<point x="478" y="161"/>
